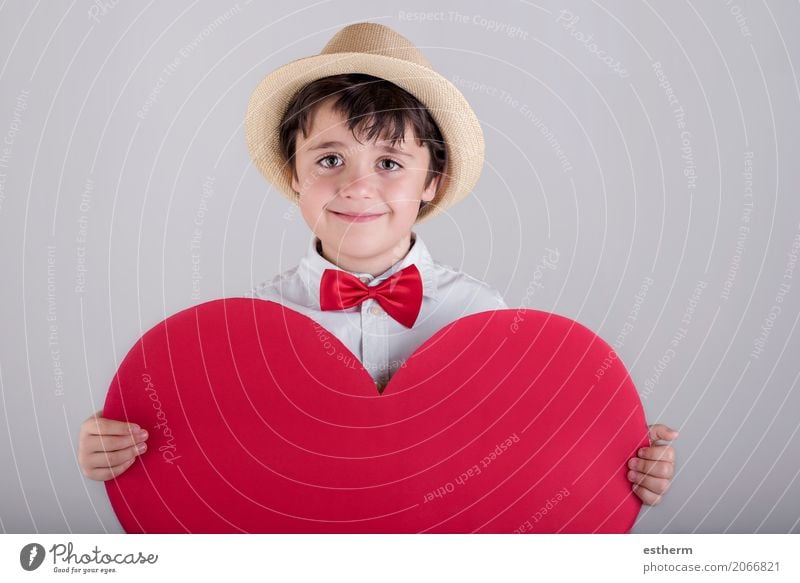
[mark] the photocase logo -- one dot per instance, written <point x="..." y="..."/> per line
<point x="31" y="556"/>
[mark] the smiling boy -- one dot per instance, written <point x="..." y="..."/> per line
<point x="360" y="200"/>
<point x="367" y="159"/>
<point x="368" y="140"/>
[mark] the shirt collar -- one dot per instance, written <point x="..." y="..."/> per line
<point x="314" y="264"/>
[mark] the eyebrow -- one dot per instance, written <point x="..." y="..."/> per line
<point x="334" y="144"/>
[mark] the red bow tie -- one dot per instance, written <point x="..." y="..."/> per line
<point x="400" y="295"/>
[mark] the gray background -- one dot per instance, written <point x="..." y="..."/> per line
<point x="109" y="159"/>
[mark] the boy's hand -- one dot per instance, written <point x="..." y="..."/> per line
<point x="651" y="472"/>
<point x="106" y="448"/>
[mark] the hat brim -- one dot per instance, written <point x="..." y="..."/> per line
<point x="457" y="122"/>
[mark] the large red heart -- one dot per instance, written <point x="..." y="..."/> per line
<point x="260" y="420"/>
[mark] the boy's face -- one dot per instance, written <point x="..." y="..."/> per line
<point x="360" y="199"/>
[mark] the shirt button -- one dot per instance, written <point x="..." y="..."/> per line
<point x="375" y="311"/>
<point x="364" y="279"/>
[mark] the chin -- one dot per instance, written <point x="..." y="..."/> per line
<point x="354" y="247"/>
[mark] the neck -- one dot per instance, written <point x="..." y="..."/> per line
<point x="373" y="265"/>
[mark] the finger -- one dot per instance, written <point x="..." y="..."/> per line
<point x="665" y="453"/>
<point x="108" y="459"/>
<point x="661" y="431"/>
<point x="648" y="497"/>
<point x="104" y="474"/>
<point x="656" y="485"/>
<point x="103" y="443"/>
<point x="657" y="469"/>
<point x="103" y="426"/>
<point x="88" y="423"/>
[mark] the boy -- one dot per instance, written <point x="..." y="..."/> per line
<point x="368" y="140"/>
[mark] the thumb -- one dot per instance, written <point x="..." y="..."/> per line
<point x="661" y="431"/>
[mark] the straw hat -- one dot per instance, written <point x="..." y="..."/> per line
<point x="372" y="49"/>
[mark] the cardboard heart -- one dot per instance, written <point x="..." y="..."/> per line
<point x="260" y="420"/>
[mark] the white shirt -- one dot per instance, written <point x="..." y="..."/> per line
<point x="375" y="338"/>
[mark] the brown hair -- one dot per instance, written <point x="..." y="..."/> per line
<point x="373" y="107"/>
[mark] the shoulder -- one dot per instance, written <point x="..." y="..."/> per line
<point x="476" y="295"/>
<point x="285" y="285"/>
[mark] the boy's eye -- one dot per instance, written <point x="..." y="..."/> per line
<point x="329" y="157"/>
<point x="334" y="161"/>
<point x="395" y="166"/>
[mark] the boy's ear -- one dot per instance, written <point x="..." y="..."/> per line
<point x="430" y="192"/>
<point x="295" y="182"/>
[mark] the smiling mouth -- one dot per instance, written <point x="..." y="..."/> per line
<point x="357" y="218"/>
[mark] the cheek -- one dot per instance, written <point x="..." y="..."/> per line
<point x="406" y="206"/>
<point x="404" y="213"/>
<point x="405" y="198"/>
<point x="306" y="179"/>
<point x="311" y="206"/>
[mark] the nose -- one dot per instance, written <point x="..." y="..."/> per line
<point x="358" y="182"/>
